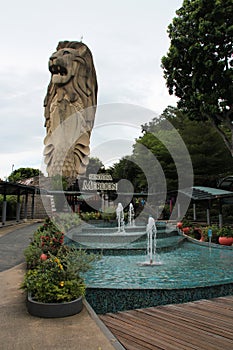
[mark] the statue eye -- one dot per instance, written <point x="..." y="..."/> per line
<point x="66" y="52"/>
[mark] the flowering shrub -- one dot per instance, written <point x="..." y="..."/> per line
<point x="57" y="279"/>
<point x="48" y="238"/>
<point x="51" y="242"/>
<point x="108" y="214"/>
<point x="54" y="270"/>
<point x="91" y="216"/>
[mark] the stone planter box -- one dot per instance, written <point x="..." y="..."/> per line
<point x="54" y="310"/>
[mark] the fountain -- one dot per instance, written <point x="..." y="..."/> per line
<point x="104" y="237"/>
<point x="151" y="244"/>
<point x="131" y="221"/>
<point x="120" y="218"/>
<point x="125" y="278"/>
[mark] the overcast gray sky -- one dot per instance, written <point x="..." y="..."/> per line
<point x="127" y="39"/>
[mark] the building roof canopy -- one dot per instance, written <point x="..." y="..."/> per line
<point x="198" y="193"/>
<point x="12" y="188"/>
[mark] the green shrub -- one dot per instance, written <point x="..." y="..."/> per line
<point x="226" y="231"/>
<point x="93" y="215"/>
<point x="54" y="270"/>
<point x="215" y="233"/>
<point x="108" y="214"/>
<point x="67" y="221"/>
<point x="32" y="255"/>
<point x="58" y="278"/>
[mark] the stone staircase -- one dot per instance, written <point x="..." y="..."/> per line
<point x="43" y="207"/>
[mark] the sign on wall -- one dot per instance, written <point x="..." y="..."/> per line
<point x="96" y="183"/>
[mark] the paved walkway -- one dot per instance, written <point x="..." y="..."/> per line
<point x="13" y="241"/>
<point x="21" y="331"/>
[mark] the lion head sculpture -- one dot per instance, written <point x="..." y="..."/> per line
<point x="72" y="91"/>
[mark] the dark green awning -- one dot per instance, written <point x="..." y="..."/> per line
<point x="205" y="193"/>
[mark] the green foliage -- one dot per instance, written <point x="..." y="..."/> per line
<point x="52" y="281"/>
<point x="66" y="221"/>
<point x="198" y="65"/>
<point x="58" y="276"/>
<point x="186" y="222"/>
<point x="152" y="154"/>
<point x="11" y="205"/>
<point x="108" y="214"/>
<point x="198" y="232"/>
<point x="94" y="166"/>
<point x="93" y="215"/>
<point x="32" y="255"/>
<point x="226" y="231"/>
<point x="127" y="168"/>
<point x="46" y="239"/>
<point x="215" y="233"/>
<point x="200" y="139"/>
<point x="23" y="173"/>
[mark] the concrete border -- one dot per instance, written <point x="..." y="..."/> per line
<point x="108" y="334"/>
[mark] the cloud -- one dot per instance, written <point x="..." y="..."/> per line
<point x="127" y="39"/>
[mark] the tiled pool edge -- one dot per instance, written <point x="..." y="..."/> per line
<point x="104" y="300"/>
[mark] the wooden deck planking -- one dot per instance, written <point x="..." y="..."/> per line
<point x="153" y="330"/>
<point x="191" y="329"/>
<point x="198" y="319"/>
<point x="127" y="332"/>
<point x="199" y="325"/>
<point x="194" y="324"/>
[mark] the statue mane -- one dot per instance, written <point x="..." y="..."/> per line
<point x="83" y="84"/>
<point x="70" y="106"/>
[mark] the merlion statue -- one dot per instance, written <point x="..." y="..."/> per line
<point x="70" y="106"/>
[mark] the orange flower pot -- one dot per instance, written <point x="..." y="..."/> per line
<point x="225" y="240"/>
<point x="186" y="230"/>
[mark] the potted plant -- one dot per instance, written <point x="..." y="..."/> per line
<point x="53" y="280"/>
<point x="184" y="226"/>
<point x="225" y="235"/>
<point x="214" y="231"/>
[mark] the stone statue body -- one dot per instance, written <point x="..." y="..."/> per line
<point x="70" y="106"/>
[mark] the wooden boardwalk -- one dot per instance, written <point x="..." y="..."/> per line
<point x="199" y="325"/>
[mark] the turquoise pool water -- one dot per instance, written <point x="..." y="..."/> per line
<point x="188" y="266"/>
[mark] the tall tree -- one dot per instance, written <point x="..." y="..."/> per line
<point x="94" y="166"/>
<point x="198" y="65"/>
<point x="127" y="168"/>
<point x="23" y="173"/>
<point x="206" y="148"/>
